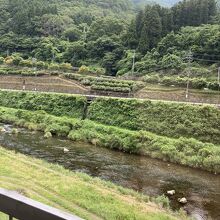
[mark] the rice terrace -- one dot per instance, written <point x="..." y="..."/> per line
<point x="109" y="110"/>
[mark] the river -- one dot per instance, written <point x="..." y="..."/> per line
<point x="143" y="174"/>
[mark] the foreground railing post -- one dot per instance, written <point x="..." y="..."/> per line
<point x="19" y="207"/>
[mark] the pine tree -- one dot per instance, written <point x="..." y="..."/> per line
<point x="143" y="45"/>
<point x="154" y="25"/>
<point x="139" y="23"/>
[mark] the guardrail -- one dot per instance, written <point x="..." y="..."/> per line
<point x="19" y="207"/>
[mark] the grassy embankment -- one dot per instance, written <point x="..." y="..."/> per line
<point x="190" y="133"/>
<point x="162" y="118"/>
<point x="87" y="197"/>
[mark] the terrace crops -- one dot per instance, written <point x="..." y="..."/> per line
<point x="106" y="84"/>
<point x="194" y="82"/>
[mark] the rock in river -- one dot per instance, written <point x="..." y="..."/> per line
<point x="182" y="200"/>
<point x="171" y="192"/>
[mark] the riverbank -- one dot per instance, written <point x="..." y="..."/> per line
<point x="183" y="151"/>
<point x="173" y="120"/>
<point x="87" y="197"/>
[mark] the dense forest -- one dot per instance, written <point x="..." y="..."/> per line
<point x="106" y="34"/>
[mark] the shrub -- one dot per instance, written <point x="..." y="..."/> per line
<point x="27" y="63"/>
<point x="151" y="78"/>
<point x="8" y="61"/>
<point x="16" y="60"/>
<point x="41" y="65"/>
<point x="1" y="60"/>
<point x="54" y="66"/>
<point x="57" y="129"/>
<point x="66" y="66"/>
<point x="96" y="70"/>
<point x="163" y="201"/>
<point x="84" y="70"/>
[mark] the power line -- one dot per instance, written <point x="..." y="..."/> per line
<point x="133" y="63"/>
<point x="218" y="84"/>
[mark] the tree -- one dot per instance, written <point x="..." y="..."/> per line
<point x="102" y="45"/>
<point x="72" y="34"/>
<point x="46" y="50"/>
<point x="171" y="61"/>
<point x="105" y="26"/>
<point x="25" y="15"/>
<point x="75" y="53"/>
<point x="54" y="25"/>
<point x="151" y="30"/>
<point x="144" y="42"/>
<point x="130" y="39"/>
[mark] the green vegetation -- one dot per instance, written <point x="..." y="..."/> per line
<point x="87" y="197"/>
<point x="99" y="39"/>
<point x="194" y="83"/>
<point x="106" y="84"/>
<point x="57" y="104"/>
<point x="5" y="70"/>
<point x="155" y="22"/>
<point x="61" y="33"/>
<point x="143" y="117"/>
<point x="169" y="56"/>
<point x="169" y="119"/>
<point x="16" y="62"/>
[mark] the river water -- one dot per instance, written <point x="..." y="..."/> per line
<point x="146" y="175"/>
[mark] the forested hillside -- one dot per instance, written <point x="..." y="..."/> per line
<point x="104" y="34"/>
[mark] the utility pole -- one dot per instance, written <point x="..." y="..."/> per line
<point x="133" y="63"/>
<point x="189" y="59"/>
<point x="53" y="56"/>
<point x="219" y="76"/>
<point x="34" y="60"/>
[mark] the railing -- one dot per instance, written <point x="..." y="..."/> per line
<point x="19" y="207"/>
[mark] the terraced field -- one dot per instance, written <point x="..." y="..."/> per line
<point x="66" y="85"/>
<point x="178" y="94"/>
<point x="43" y="84"/>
